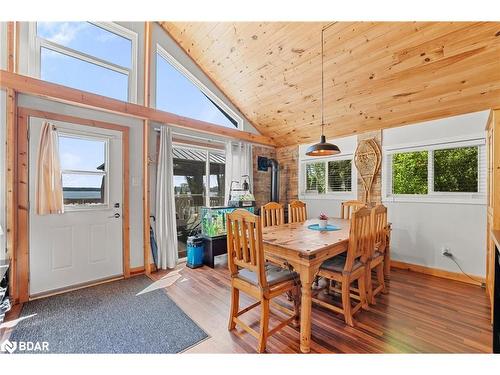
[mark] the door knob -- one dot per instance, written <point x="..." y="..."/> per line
<point x="116" y="216"/>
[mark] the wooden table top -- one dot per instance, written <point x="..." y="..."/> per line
<point x="299" y="237"/>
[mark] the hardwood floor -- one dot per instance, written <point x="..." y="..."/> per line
<point x="420" y="314"/>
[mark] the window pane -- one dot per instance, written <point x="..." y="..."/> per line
<point x="339" y="175"/>
<point x="69" y="71"/>
<point x="217" y="179"/>
<point x="456" y="170"/>
<point x="409" y="173"/>
<point x="177" y="94"/>
<point x="315" y="177"/>
<point x="90" y="39"/>
<point x="82" y="154"/>
<point x="81" y="189"/>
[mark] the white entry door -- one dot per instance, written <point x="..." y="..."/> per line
<point x="84" y="244"/>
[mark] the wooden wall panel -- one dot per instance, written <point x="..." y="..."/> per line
<point x="377" y="74"/>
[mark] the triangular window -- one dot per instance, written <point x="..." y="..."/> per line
<point x="178" y="92"/>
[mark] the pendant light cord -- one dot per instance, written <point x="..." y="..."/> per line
<point x="322" y="84"/>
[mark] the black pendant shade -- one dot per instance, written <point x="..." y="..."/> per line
<point x="322" y="148"/>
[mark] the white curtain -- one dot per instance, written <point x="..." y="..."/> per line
<point x="238" y="164"/>
<point x="48" y="183"/>
<point x="166" y="230"/>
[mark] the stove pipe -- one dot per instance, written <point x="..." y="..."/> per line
<point x="275" y="180"/>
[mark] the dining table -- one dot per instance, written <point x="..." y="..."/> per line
<point x="297" y="246"/>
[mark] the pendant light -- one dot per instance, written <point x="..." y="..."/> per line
<point x="323" y="148"/>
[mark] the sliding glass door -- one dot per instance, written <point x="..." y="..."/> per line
<point x="191" y="168"/>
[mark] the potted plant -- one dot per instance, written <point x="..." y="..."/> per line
<point x="323" y="220"/>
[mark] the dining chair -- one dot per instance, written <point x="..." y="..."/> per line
<point x="348" y="207"/>
<point x="376" y="257"/>
<point x="272" y="214"/>
<point x="348" y="268"/>
<point x="252" y="275"/>
<point x="297" y="212"/>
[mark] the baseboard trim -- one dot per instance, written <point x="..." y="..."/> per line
<point x="437" y="272"/>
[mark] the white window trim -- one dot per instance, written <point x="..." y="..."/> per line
<point x="434" y="196"/>
<point x="64" y="132"/>
<point x="37" y="43"/>
<point x="336" y="195"/>
<point x="195" y="81"/>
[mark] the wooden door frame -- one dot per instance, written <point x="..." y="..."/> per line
<point x="20" y="254"/>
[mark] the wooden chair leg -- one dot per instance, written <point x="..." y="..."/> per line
<point x="264" y="325"/>
<point x="362" y="291"/>
<point x="346" y="300"/>
<point x="380" y="277"/>
<point x="296" y="306"/>
<point x="369" y="284"/>
<point x="235" y="305"/>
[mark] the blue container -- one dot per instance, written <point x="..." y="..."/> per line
<point x="194" y="252"/>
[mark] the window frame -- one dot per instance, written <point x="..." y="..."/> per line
<point x="162" y="52"/>
<point x="433" y="196"/>
<point x="328" y="194"/>
<point x="67" y="133"/>
<point x="38" y="42"/>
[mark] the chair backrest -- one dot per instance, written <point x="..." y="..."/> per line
<point x="360" y="237"/>
<point x="379" y="229"/>
<point x="244" y="244"/>
<point x="348" y="207"/>
<point x="297" y="212"/>
<point x="272" y="214"/>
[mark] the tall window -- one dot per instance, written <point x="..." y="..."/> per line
<point x="328" y="176"/>
<point x="437" y="170"/>
<point x="179" y="92"/>
<point x="95" y="57"/>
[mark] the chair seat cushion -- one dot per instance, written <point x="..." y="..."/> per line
<point x="274" y="275"/>
<point x="337" y="264"/>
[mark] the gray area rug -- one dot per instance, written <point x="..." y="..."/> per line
<point x="109" y="318"/>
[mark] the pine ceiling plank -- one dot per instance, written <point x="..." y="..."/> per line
<point x="377" y="74"/>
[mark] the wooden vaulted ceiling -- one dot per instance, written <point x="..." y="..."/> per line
<point x="376" y="74"/>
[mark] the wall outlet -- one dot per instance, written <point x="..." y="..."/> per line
<point x="446" y="252"/>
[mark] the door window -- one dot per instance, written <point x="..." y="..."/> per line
<point x="84" y="166"/>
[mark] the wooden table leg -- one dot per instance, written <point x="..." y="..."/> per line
<point x="305" y="317"/>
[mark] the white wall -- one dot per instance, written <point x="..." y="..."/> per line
<point x="422" y="229"/>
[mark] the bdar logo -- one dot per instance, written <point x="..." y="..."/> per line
<point x="8" y="346"/>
